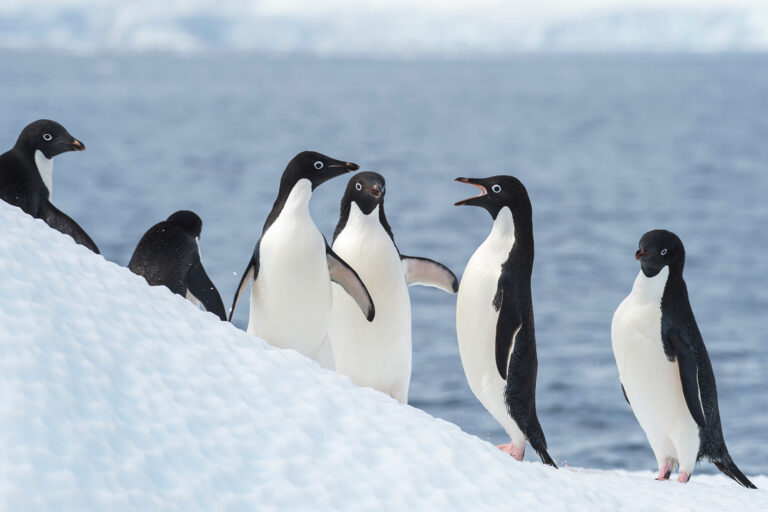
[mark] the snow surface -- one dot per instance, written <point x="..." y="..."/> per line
<point x="391" y="28"/>
<point x="118" y="396"/>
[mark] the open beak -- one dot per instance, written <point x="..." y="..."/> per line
<point x="345" y="166"/>
<point x="77" y="145"/>
<point x="640" y="254"/>
<point x="474" y="183"/>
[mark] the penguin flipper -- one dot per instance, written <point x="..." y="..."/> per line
<point x="250" y="274"/>
<point x="689" y="375"/>
<point x="346" y="277"/>
<point x="429" y="273"/>
<point x="507" y="327"/>
<point x="201" y="287"/>
<point x="520" y="393"/>
<point x="60" y="221"/>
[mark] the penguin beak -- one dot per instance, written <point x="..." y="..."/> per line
<point x="345" y="166"/>
<point x="375" y="191"/>
<point x="77" y="145"/>
<point x="471" y="201"/>
<point x="640" y="254"/>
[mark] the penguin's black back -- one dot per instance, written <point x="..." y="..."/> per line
<point x="677" y="317"/>
<point x="164" y="256"/>
<point x="20" y="182"/>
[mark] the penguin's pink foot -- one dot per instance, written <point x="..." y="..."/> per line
<point x="664" y="471"/>
<point x="683" y="477"/>
<point x="515" y="451"/>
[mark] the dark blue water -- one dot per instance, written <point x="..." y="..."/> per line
<point x="608" y="147"/>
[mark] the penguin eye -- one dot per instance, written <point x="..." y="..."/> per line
<point x="358" y="186"/>
<point x="47" y="137"/>
<point x="318" y="165"/>
<point x="663" y="252"/>
<point x="496" y="188"/>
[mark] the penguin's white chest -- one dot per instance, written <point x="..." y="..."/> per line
<point x="291" y="296"/>
<point x="650" y="380"/>
<point x="373" y="354"/>
<point x="476" y="319"/>
<point x="45" y="168"/>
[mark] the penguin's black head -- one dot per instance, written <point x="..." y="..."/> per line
<point x="496" y="193"/>
<point x="315" y="167"/>
<point x="49" y="137"/>
<point x="660" y="248"/>
<point x="188" y="221"/>
<point x="367" y="190"/>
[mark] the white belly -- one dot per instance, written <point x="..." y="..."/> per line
<point x="650" y="380"/>
<point x="476" y="320"/>
<point x="291" y="296"/>
<point x="373" y="354"/>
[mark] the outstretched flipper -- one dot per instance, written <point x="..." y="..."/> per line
<point x="60" y="221"/>
<point x="347" y="278"/>
<point x="202" y="289"/>
<point x="429" y="273"/>
<point x="250" y="274"/>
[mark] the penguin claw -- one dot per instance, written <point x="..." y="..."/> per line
<point x="516" y="452"/>
<point x="683" y="477"/>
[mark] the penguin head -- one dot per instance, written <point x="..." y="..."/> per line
<point x="49" y="137"/>
<point x="366" y="189"/>
<point x="496" y="193"/>
<point x="187" y="221"/>
<point x="315" y="167"/>
<point x="660" y="248"/>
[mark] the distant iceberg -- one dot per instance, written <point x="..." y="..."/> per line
<point x="385" y="29"/>
<point x="118" y="396"/>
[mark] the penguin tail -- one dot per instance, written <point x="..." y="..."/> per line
<point x="727" y="466"/>
<point x="546" y="459"/>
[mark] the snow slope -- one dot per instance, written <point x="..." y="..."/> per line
<point x="118" y="396"/>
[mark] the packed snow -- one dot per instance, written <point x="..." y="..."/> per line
<point x="393" y="28"/>
<point x="118" y="396"/>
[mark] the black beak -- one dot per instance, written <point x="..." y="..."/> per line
<point x="77" y="145"/>
<point x="376" y="191"/>
<point x="345" y="166"/>
<point x="640" y="254"/>
<point x="471" y="201"/>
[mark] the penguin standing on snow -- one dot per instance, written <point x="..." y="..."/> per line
<point x="494" y="315"/>
<point x="664" y="368"/>
<point x="377" y="354"/>
<point x="292" y="267"/>
<point x="26" y="176"/>
<point x="169" y="255"/>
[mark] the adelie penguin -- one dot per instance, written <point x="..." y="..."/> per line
<point x="494" y="315"/>
<point x="169" y="255"/>
<point x="664" y="368"/>
<point x="377" y="354"/>
<point x="26" y="176"/>
<point x="292" y="267"/>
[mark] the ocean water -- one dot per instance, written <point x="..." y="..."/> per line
<point x="608" y="147"/>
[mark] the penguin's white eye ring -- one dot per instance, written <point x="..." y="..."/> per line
<point x="663" y="252"/>
<point x="318" y="165"/>
<point x="496" y="189"/>
<point x="47" y="137"/>
<point x="358" y="186"/>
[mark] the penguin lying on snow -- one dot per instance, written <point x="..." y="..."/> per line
<point x="292" y="267"/>
<point x="494" y="315"/>
<point x="664" y="368"/>
<point x="377" y="354"/>
<point x="26" y="176"/>
<point x="169" y="255"/>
